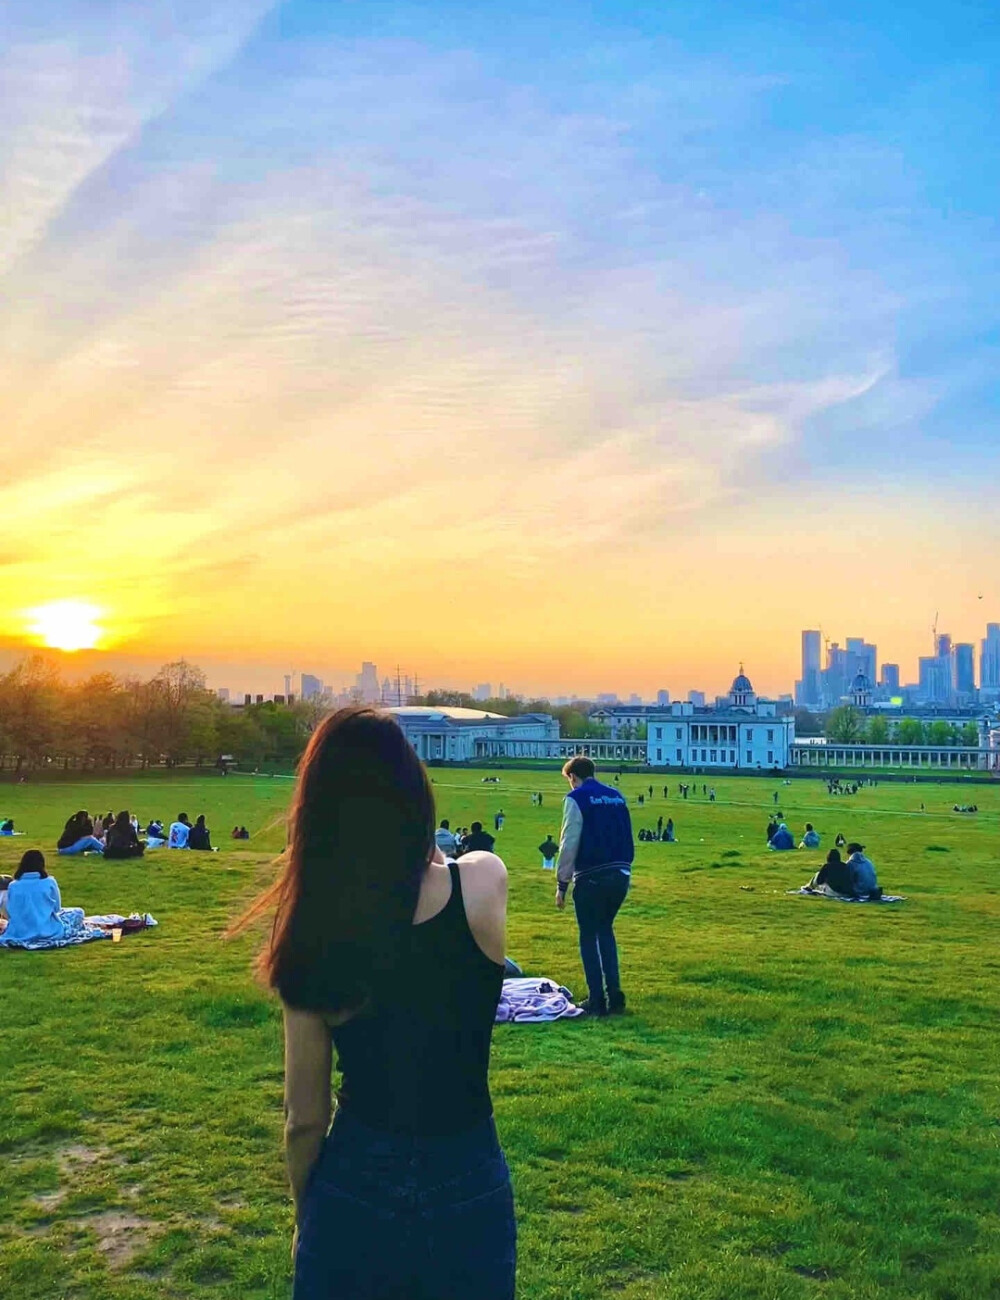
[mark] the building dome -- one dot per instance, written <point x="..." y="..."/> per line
<point x="860" y="683"/>
<point x="741" y="685"/>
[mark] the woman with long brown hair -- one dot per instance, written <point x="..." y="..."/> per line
<point x="394" y="956"/>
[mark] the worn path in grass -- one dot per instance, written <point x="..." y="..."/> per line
<point x="802" y="1102"/>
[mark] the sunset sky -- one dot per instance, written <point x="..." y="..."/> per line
<point x="576" y="346"/>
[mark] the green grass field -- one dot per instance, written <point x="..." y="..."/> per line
<point x="802" y="1102"/>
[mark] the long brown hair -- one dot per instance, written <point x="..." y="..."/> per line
<point x="360" y="838"/>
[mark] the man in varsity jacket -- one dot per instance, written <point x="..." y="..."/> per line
<point x="595" y="852"/>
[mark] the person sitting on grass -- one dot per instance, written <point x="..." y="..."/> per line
<point x="180" y="830"/>
<point x="864" y="882"/>
<point x="244" y="833"/>
<point x="7" y="828"/>
<point x="236" y="834"/>
<point x="122" y="840"/>
<point x="781" y="839"/>
<point x="834" y="873"/>
<point x="78" y="836"/>
<point x="34" y="906"/>
<point x="200" y="836"/>
<point x="478" y="840"/>
<point x="811" y="839"/>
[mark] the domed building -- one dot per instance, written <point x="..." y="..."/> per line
<point x="741" y="732"/>
<point x="741" y="693"/>
<point x="861" y="692"/>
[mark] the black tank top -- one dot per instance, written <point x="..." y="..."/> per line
<point x="421" y="1066"/>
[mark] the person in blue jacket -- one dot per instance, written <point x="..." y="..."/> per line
<point x="782" y="839"/>
<point x="595" y="852"/>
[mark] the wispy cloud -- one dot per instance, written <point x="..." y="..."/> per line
<point x="328" y="307"/>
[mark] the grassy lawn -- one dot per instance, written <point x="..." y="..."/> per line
<point x="802" y="1102"/>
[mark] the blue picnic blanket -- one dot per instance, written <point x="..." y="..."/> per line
<point x="75" y="930"/>
<point x="824" y="891"/>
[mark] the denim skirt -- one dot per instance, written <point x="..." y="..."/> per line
<point x="391" y="1217"/>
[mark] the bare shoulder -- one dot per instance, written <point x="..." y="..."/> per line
<point x="481" y="862"/>
<point x="482" y="872"/>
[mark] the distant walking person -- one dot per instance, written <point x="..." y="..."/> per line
<point x="595" y="851"/>
<point x="548" y="849"/>
<point x="498" y="821"/>
<point x="393" y="958"/>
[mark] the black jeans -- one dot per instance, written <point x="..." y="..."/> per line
<point x="388" y="1217"/>
<point x="597" y="899"/>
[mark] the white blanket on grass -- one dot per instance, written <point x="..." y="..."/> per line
<point x="824" y="891"/>
<point x="534" y="1001"/>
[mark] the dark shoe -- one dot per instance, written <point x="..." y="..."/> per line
<point x="616" y="1003"/>
<point x="591" y="1007"/>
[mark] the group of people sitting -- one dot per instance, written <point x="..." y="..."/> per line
<point x="467" y="839"/>
<point x="965" y="807"/>
<point x="854" y="878"/>
<point x="780" y="838"/>
<point x="662" y="834"/>
<point x="240" y="833"/>
<point x="112" y="836"/>
<point x="7" y="827"/>
<point x="117" y="837"/>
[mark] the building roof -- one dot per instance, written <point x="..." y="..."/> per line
<point x="458" y="717"/>
<point x="861" y="683"/>
<point x="741" y="684"/>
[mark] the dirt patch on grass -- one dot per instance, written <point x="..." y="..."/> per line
<point x="120" y="1237"/>
<point x="51" y="1200"/>
<point x="76" y="1156"/>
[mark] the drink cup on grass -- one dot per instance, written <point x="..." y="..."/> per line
<point x="116" y="934"/>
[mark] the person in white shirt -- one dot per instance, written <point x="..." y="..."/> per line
<point x="179" y="832"/>
<point x="445" y="840"/>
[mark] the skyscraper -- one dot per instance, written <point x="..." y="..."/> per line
<point x="963" y="671"/>
<point x="989" y="659"/>
<point x="311" y="686"/>
<point x="810" y="694"/>
<point x="662" y="698"/>
<point x="935" y="679"/>
<point x="890" y="679"/>
<point x="861" y="658"/>
<point x="366" y="683"/>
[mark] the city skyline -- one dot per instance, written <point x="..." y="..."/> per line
<point x="333" y="333"/>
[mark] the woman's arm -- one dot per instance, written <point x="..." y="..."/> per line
<point x="52" y="890"/>
<point x="484" y="893"/>
<point x="308" y="1060"/>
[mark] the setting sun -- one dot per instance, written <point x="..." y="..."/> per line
<point x="66" y="625"/>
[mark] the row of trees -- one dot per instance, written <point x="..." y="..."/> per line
<point x="110" y="722"/>
<point x="849" y="726"/>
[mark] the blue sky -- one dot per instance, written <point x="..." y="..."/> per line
<point x="694" y="281"/>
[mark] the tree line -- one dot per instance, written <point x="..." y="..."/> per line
<point x="117" y="722"/>
<point x="849" y="726"/>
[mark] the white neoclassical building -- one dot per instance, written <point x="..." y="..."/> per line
<point x="744" y="734"/>
<point x="453" y="735"/>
